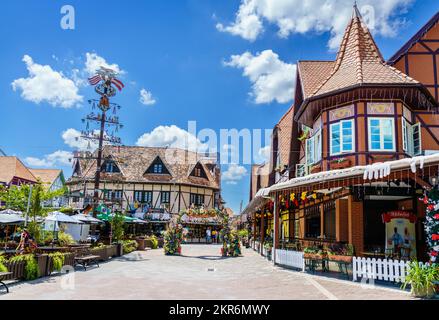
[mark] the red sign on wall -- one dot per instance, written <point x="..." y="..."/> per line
<point x="387" y="217"/>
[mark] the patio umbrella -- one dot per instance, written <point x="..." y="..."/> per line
<point x="11" y="218"/>
<point x="109" y="217"/>
<point x="86" y="218"/>
<point x="53" y="220"/>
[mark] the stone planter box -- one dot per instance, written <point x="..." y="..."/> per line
<point x="105" y="253"/>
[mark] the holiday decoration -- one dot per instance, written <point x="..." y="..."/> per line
<point x="432" y="224"/>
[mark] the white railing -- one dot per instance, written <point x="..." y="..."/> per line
<point x="377" y="269"/>
<point x="288" y="258"/>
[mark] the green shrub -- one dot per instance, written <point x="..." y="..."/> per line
<point x="65" y="239"/>
<point x="31" y="269"/>
<point x="129" y="246"/>
<point x="421" y="278"/>
<point x="58" y="259"/>
<point x="154" y="242"/>
<point x="3" y="267"/>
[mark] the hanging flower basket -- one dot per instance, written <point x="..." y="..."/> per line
<point x="341" y="164"/>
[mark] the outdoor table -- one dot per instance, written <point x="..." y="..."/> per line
<point x="87" y="260"/>
<point x="4" y="275"/>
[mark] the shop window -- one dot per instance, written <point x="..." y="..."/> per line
<point x="312" y="222"/>
<point x="381" y="134"/>
<point x="329" y="220"/>
<point x="314" y="148"/>
<point x="113" y="195"/>
<point x="411" y="138"/>
<point x="342" y="137"/>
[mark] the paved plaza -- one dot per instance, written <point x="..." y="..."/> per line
<point x="199" y="274"/>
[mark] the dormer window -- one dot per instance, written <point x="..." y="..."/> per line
<point x="198" y="171"/>
<point x="110" y="167"/>
<point x="157" y="167"/>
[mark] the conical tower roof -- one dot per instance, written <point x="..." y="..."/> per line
<point x="359" y="61"/>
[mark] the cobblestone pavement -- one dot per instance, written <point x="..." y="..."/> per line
<point x="199" y="274"/>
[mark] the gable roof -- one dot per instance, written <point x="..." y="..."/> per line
<point x="359" y="61"/>
<point x="134" y="161"/>
<point x="285" y="135"/>
<point x="418" y="36"/>
<point x="47" y="176"/>
<point x="11" y="167"/>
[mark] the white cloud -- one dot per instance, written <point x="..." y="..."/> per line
<point x="72" y="138"/>
<point x="93" y="62"/>
<point x="272" y="78"/>
<point x="146" y="98"/>
<point x="58" y="158"/>
<point x="46" y="85"/>
<point x="173" y="137"/>
<point x="248" y="24"/>
<point x="300" y="17"/>
<point x="264" y="153"/>
<point x="234" y="174"/>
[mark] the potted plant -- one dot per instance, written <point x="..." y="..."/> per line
<point x="313" y="253"/>
<point x="340" y="163"/>
<point x="341" y="254"/>
<point x="268" y="246"/>
<point x="304" y="135"/>
<point x="422" y="278"/>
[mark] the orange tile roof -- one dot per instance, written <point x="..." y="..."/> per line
<point x="11" y="167"/>
<point x="285" y="134"/>
<point x="359" y="62"/>
<point x="312" y="74"/>
<point x="47" y="176"/>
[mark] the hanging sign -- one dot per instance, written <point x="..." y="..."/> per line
<point x="400" y="233"/>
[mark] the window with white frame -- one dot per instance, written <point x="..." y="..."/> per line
<point x="342" y="137"/>
<point x="314" y="148"/>
<point x="381" y="134"/>
<point x="411" y="138"/>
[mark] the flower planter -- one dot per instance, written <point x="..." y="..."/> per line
<point x="313" y="256"/>
<point x="337" y="258"/>
<point x="341" y="165"/>
<point x="423" y="292"/>
<point x="17" y="269"/>
<point x="315" y="169"/>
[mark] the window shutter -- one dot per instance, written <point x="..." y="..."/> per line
<point x="417" y="139"/>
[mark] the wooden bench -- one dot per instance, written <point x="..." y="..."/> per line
<point x="4" y="275"/>
<point x="86" y="261"/>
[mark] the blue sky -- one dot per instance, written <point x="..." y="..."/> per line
<point x="177" y="51"/>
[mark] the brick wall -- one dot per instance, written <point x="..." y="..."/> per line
<point x="341" y="220"/>
<point x="356" y="224"/>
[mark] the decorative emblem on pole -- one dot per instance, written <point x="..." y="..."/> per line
<point x="104" y="80"/>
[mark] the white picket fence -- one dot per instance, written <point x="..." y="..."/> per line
<point x="289" y="258"/>
<point x="377" y="269"/>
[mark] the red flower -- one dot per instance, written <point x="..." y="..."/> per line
<point x="434" y="253"/>
<point x="426" y="200"/>
<point x="435" y="237"/>
<point x="430" y="207"/>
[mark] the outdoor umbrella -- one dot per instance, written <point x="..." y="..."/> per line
<point x="86" y="218"/>
<point x="53" y="220"/>
<point x="11" y="218"/>
<point x="109" y="217"/>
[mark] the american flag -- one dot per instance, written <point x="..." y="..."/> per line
<point x="94" y="80"/>
<point x="117" y="83"/>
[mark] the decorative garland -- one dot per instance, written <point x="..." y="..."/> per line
<point x="432" y="223"/>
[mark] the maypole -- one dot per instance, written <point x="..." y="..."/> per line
<point x="105" y="83"/>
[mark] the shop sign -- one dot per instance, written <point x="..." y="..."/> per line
<point x="400" y="233"/>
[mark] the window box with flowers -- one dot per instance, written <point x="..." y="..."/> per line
<point x="341" y="163"/>
<point x="315" y="168"/>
